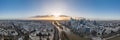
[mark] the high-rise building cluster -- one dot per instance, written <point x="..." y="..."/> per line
<point x="93" y="28"/>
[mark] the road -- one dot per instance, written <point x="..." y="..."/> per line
<point x="62" y="31"/>
<point x="56" y="34"/>
<point x="65" y="33"/>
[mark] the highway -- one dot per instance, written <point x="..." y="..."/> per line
<point x="62" y="30"/>
<point x="65" y="33"/>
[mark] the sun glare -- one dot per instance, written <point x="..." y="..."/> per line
<point x="56" y="15"/>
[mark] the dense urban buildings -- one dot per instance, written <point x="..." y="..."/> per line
<point x="26" y="30"/>
<point x="85" y="29"/>
<point x="94" y="29"/>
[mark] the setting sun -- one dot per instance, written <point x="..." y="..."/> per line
<point x="56" y="15"/>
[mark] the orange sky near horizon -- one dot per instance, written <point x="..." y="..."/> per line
<point x="50" y="18"/>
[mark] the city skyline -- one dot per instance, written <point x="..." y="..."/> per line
<point x="96" y="9"/>
<point x="59" y="19"/>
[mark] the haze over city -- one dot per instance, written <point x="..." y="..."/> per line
<point x="92" y="9"/>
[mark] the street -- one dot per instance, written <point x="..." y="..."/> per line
<point x="62" y="31"/>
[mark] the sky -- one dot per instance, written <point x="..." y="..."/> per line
<point x="94" y="9"/>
